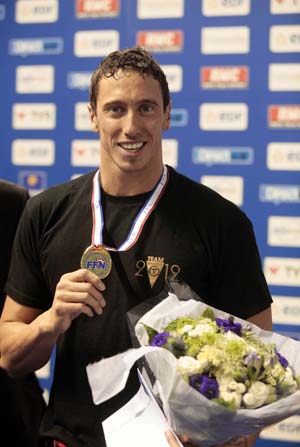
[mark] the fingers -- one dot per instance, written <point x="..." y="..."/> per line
<point x="182" y="440"/>
<point x="80" y="292"/>
<point x="87" y="282"/>
<point x="172" y="441"/>
<point x="87" y="276"/>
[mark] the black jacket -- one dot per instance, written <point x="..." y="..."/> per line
<point x="21" y="400"/>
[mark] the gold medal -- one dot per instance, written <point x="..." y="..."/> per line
<point x="98" y="260"/>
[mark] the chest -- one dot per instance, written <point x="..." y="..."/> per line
<point x="167" y="244"/>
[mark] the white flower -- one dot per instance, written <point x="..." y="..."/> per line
<point x="188" y="365"/>
<point x="288" y="376"/>
<point x="185" y="329"/>
<point x="236" y="386"/>
<point x="201" y="329"/>
<point x="231" y="391"/>
<point x="288" y="381"/>
<point x="277" y="371"/>
<point x="257" y="395"/>
<point x="232" y="336"/>
<point x="231" y="397"/>
<point x="210" y="356"/>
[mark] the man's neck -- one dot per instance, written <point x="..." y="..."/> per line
<point x="129" y="183"/>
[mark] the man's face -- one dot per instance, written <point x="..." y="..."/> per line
<point x="130" y="119"/>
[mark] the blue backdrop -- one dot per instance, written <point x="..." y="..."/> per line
<point x="234" y="72"/>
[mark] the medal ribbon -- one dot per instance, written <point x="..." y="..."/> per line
<point x="140" y="220"/>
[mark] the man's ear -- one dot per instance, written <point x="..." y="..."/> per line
<point x="167" y="117"/>
<point x="93" y="118"/>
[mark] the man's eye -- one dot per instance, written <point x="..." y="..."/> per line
<point x="116" y="109"/>
<point x="146" y="108"/>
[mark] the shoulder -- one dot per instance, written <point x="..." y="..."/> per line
<point x="61" y="194"/>
<point x="203" y="202"/>
<point x="9" y="190"/>
<point x="47" y="208"/>
<point x="13" y="199"/>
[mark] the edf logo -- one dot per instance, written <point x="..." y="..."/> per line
<point x="100" y="264"/>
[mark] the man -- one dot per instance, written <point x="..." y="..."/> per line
<point x="132" y="223"/>
<point x="22" y="403"/>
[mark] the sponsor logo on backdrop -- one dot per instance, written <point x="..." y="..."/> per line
<point x="79" y="80"/>
<point x="222" y="155"/>
<point x="35" y="79"/>
<point x="225" y="40"/>
<point x="285" y="6"/>
<point x="282" y="271"/>
<point x="287" y="430"/>
<point x="225" y="7"/>
<point x="179" y="117"/>
<point x="284" y="231"/>
<point x="223" y="116"/>
<point x="33" y="152"/>
<point x="34" y="181"/>
<point x="286" y="310"/>
<point x="285" y="38"/>
<point x="284" y="115"/>
<point x="160" y="41"/>
<point x="230" y="187"/>
<point x="36" y="11"/>
<point x="95" y="43"/>
<point x="284" y="77"/>
<point x="224" y="77"/>
<point x="97" y="8"/>
<point x="85" y="153"/>
<point x="2" y="11"/>
<point x="283" y="156"/>
<point x="34" y="116"/>
<point x="170" y="152"/>
<point x="158" y="9"/>
<point x="35" y="46"/>
<point x="279" y="193"/>
<point x="82" y="117"/>
<point x="174" y="77"/>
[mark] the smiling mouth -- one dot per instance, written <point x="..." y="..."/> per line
<point x="132" y="147"/>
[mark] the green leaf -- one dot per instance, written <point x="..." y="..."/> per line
<point x="151" y="332"/>
<point x="208" y="313"/>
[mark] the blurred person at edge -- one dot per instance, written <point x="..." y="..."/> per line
<point x="21" y="399"/>
<point x="68" y="298"/>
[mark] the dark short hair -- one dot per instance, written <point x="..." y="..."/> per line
<point x="137" y="59"/>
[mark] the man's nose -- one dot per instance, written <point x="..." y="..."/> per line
<point x="131" y="124"/>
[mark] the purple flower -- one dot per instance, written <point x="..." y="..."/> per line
<point x="253" y="360"/>
<point x="160" y="339"/>
<point x="208" y="386"/>
<point x="282" y="360"/>
<point x="229" y="325"/>
<point x="254" y="363"/>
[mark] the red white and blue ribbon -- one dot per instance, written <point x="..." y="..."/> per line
<point x="140" y="220"/>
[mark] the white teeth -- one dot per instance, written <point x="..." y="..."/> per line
<point x="131" y="146"/>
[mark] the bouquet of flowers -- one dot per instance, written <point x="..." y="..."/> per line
<point x="217" y="377"/>
<point x="225" y="361"/>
